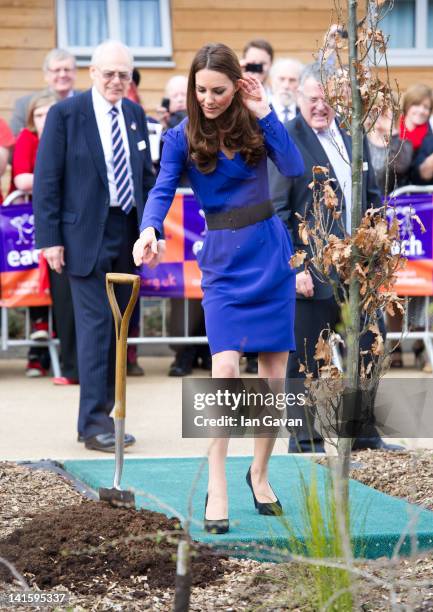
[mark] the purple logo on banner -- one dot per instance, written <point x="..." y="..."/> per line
<point x="17" y="233"/>
<point x="194" y="227"/>
<point x="415" y="243"/>
<point x="179" y="274"/>
<point x="166" y="280"/>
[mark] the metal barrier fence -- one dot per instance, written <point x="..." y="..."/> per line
<point x="6" y="341"/>
<point x="425" y="334"/>
<point x="52" y="344"/>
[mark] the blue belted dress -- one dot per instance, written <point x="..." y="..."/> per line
<point x="248" y="284"/>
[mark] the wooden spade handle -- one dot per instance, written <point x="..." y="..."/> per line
<point x="121" y="324"/>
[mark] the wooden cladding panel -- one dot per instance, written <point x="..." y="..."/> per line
<point x="27" y="33"/>
<point x="184" y="40"/>
<point x="410" y="76"/>
<point x="260" y="20"/>
<point x="22" y="59"/>
<point x="11" y="17"/>
<point x="35" y="5"/>
<point x="251" y="5"/>
<point x="26" y="38"/>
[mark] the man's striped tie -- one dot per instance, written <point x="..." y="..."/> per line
<point x="121" y="178"/>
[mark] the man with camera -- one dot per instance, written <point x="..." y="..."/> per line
<point x="173" y="105"/>
<point x="257" y="58"/>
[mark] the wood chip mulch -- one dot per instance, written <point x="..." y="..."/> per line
<point x="245" y="585"/>
<point x="408" y="474"/>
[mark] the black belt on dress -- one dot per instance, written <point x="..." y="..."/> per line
<point x="240" y="217"/>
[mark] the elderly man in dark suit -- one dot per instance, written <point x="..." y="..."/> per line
<point x="93" y="174"/>
<point x="321" y="142"/>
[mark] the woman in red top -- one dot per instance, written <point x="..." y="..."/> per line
<point x="26" y="147"/>
<point x="417" y="108"/>
<point x="23" y="165"/>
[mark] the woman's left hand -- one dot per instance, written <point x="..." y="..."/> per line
<point x="254" y="96"/>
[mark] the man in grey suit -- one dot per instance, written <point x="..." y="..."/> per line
<point x="60" y="73"/>
<point x="321" y="142"/>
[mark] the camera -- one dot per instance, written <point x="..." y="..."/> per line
<point x="254" y="68"/>
<point x="165" y="102"/>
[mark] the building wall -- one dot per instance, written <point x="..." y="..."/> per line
<point x="294" y="27"/>
<point x="27" y="33"/>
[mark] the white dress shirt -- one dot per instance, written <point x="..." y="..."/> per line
<point x="335" y="149"/>
<point x="279" y="109"/>
<point x="102" y="109"/>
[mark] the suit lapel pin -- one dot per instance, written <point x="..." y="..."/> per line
<point x="133" y="126"/>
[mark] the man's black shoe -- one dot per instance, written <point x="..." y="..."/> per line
<point x="375" y="444"/>
<point x="105" y="442"/>
<point x="178" y="369"/>
<point x="133" y="369"/>
<point x="183" y="364"/>
<point x="306" y="446"/>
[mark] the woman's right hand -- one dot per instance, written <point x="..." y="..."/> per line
<point x="146" y="249"/>
<point x="304" y="284"/>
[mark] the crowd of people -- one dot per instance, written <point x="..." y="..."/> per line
<point x="80" y="135"/>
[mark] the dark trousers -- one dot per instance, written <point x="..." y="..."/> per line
<point x="94" y="323"/>
<point x="36" y="353"/>
<point x="312" y="316"/>
<point x="196" y="327"/>
<point x="63" y="311"/>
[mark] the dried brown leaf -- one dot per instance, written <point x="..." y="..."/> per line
<point x="320" y="170"/>
<point x="297" y="259"/>
<point x="303" y="233"/>
<point x="323" y="350"/>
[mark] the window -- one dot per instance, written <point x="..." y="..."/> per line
<point x="143" y="25"/>
<point x="409" y="25"/>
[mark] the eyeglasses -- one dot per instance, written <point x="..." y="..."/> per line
<point x="109" y="75"/>
<point x="312" y="100"/>
<point x="59" y="70"/>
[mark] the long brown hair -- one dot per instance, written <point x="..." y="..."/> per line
<point x="236" y="127"/>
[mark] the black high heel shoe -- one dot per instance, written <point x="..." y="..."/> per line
<point x="266" y="508"/>
<point x="215" y="526"/>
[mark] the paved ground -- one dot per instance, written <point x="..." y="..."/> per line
<point x="38" y="419"/>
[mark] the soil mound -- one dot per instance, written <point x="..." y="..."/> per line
<point x="87" y="546"/>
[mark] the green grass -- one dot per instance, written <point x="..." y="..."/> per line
<point x="320" y="538"/>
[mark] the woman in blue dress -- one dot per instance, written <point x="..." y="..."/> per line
<point x="248" y="285"/>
